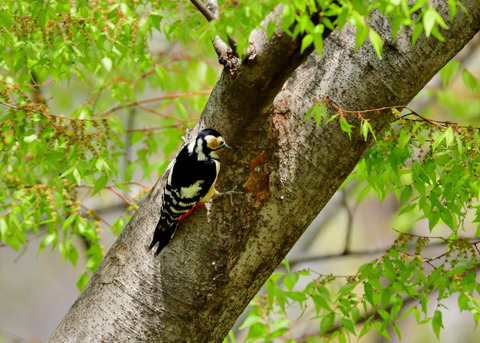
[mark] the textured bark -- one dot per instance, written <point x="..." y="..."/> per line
<point x="196" y="288"/>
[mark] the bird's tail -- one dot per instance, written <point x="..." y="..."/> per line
<point x="163" y="233"/>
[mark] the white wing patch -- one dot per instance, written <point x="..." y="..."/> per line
<point x="190" y="147"/>
<point x="191" y="191"/>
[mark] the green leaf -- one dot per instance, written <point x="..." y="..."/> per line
<point x="251" y="319"/>
<point x="452" y="5"/>
<point x="131" y="168"/>
<point x="321" y="302"/>
<point x="296" y="296"/>
<point x="346" y="127"/>
<point x="437" y="323"/>
<point x="470" y="81"/>
<point x="50" y="239"/>
<point x="306" y="42"/>
<point x="439" y="140"/>
<point x="361" y="34"/>
<point x="369" y="293"/>
<point x="77" y="176"/>
<point x="347" y="324"/>
<point x="309" y="113"/>
<point x="271" y="26"/>
<point x="30" y="138"/>
<point x="68" y="222"/>
<point x="429" y="19"/>
<point x="100" y="164"/>
<point x="417" y="5"/>
<point x="405" y="195"/>
<point x="286" y="264"/>
<point x="100" y="184"/>
<point x="417" y="31"/>
<point x="82" y="281"/>
<point x="448" y="72"/>
<point x="257" y="331"/>
<point x="3" y="228"/>
<point x="318" y="38"/>
<point x="346" y="289"/>
<point x="290" y="280"/>
<point x="327" y="323"/>
<point x="68" y="171"/>
<point x="107" y="63"/>
<point x="377" y="42"/>
<point x="365" y="128"/>
<point x="463" y="302"/>
<point x="449" y="136"/>
<point x="279" y="332"/>
<point x="364" y="271"/>
<point x="121" y="186"/>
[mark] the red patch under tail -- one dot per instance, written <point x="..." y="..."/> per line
<point x="190" y="211"/>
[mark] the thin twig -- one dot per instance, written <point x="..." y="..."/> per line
<point x="348" y="237"/>
<point x="101" y="219"/>
<point x="29" y="86"/>
<point x="112" y="189"/>
<point x="150" y="129"/>
<point x="421" y="236"/>
<point x="331" y="103"/>
<point x="439" y="123"/>
<point x="210" y="12"/>
<point x="433" y="122"/>
<point x="121" y="196"/>
<point x="365" y="252"/>
<point x="166" y="116"/>
<point x="159" y="98"/>
<point x="28" y="107"/>
<point x="135" y="183"/>
<point x="142" y="76"/>
<point x="203" y="9"/>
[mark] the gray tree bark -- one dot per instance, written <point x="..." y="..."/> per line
<point x="220" y="257"/>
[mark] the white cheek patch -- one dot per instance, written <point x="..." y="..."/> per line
<point x="191" y="191"/>
<point x="199" y="150"/>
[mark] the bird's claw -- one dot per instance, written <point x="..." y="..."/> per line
<point x="230" y="193"/>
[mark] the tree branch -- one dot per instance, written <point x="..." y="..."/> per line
<point x="227" y="56"/>
<point x="358" y="253"/>
<point x="204" y="10"/>
<point x="158" y="98"/>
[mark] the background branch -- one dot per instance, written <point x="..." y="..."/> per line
<point x="227" y="56"/>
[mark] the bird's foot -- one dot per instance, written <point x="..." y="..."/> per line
<point x="230" y="193"/>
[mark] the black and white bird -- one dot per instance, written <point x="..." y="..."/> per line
<point x="190" y="183"/>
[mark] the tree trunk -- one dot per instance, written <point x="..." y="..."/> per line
<point x="220" y="256"/>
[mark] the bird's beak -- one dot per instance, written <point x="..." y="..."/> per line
<point x="227" y="146"/>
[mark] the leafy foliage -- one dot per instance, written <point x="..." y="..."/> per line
<point x="50" y="162"/>
<point x="378" y="296"/>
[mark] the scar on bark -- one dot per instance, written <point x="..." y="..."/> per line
<point x="258" y="182"/>
<point x="114" y="267"/>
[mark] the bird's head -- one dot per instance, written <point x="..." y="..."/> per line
<point x="207" y="142"/>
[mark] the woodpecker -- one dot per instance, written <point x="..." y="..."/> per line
<point x="190" y="184"/>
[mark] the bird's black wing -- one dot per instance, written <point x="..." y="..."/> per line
<point x="189" y="181"/>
